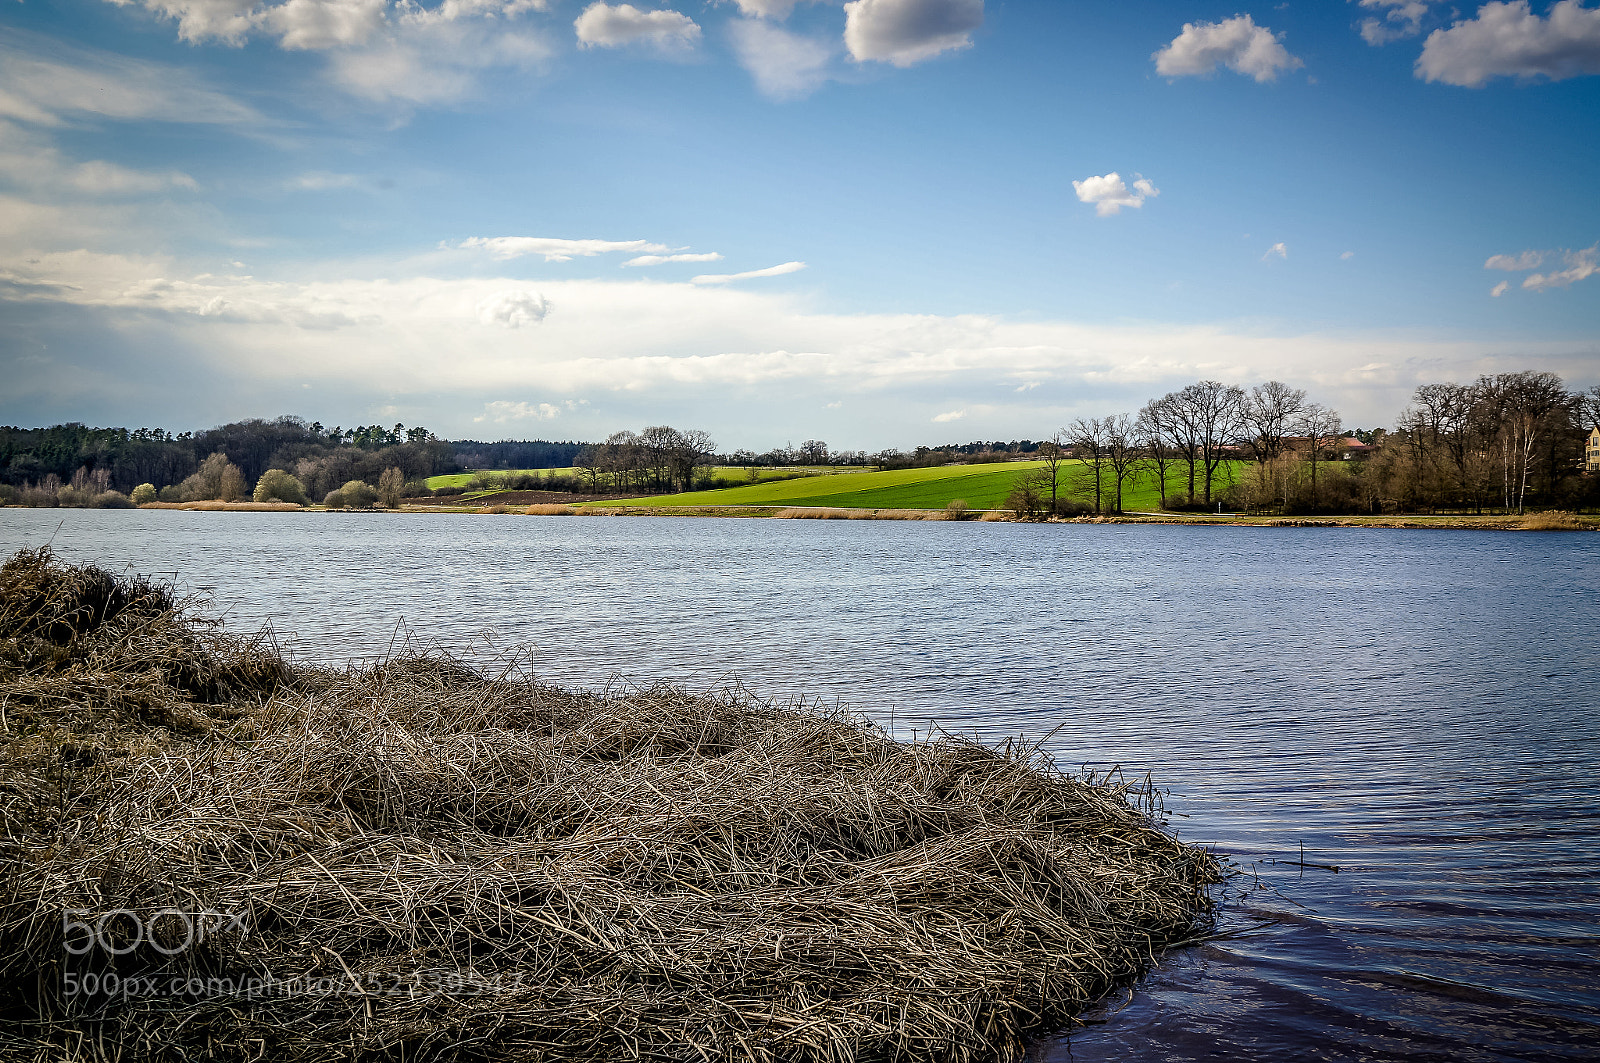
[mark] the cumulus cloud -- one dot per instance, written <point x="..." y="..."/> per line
<point x="784" y="65"/>
<point x="1509" y="40"/>
<point x="605" y="26"/>
<point x="1581" y="265"/>
<point x="504" y="248"/>
<point x="1345" y="256"/>
<point x="1516" y="263"/>
<point x="319" y="24"/>
<point x="1500" y="289"/>
<point x="1237" y="43"/>
<point x="905" y="32"/>
<point x="728" y="278"/>
<point x="660" y="260"/>
<point x="948" y="416"/>
<point x="387" y="51"/>
<point x="1401" y="18"/>
<point x="1110" y="194"/>
<point x="513" y="309"/>
<point x="1280" y="249"/>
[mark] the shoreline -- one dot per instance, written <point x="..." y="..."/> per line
<point x="1542" y="521"/>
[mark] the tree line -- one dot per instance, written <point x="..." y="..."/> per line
<point x="1504" y="441"/>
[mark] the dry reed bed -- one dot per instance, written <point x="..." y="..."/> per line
<point x="416" y="860"/>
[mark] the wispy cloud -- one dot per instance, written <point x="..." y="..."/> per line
<point x="1580" y="265"/>
<point x="661" y="260"/>
<point x="1280" y="249"/>
<point x="553" y="249"/>
<point x="727" y="278"/>
<point x="1515" y="263"/>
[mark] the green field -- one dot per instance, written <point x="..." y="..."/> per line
<point x="980" y="486"/>
<point x="733" y="473"/>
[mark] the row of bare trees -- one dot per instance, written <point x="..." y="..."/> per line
<point x="660" y="458"/>
<point x="1499" y="442"/>
<point x="1494" y="443"/>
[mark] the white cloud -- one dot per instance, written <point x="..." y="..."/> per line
<point x="42" y="80"/>
<point x="905" y="32"/>
<point x="659" y="260"/>
<point x="785" y="65"/>
<point x="319" y="24"/>
<point x="425" y="58"/>
<point x="1500" y="289"/>
<point x="770" y="271"/>
<point x="1509" y="40"/>
<point x="513" y="309"/>
<point x="502" y="411"/>
<point x="1280" y="249"/>
<point x="1237" y="43"/>
<point x="1110" y="194"/>
<point x="387" y="51"/>
<point x="1345" y="256"/>
<point x="1515" y="263"/>
<point x="649" y="345"/>
<point x="30" y="159"/>
<point x="1402" y="18"/>
<point x="323" y="181"/>
<point x="777" y="10"/>
<point x="504" y="248"/>
<point x="606" y="26"/>
<point x="948" y="416"/>
<point x="1581" y="265"/>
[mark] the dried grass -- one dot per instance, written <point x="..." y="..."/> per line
<point x="549" y="509"/>
<point x="427" y="862"/>
<point x="1555" y="520"/>
<point x="832" y="513"/>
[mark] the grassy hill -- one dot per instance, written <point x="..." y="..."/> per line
<point x="980" y="486"/>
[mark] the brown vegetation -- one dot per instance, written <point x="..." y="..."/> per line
<point x="415" y="860"/>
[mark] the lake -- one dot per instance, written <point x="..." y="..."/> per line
<point x="1417" y="708"/>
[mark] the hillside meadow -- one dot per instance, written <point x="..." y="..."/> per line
<point x="980" y="486"/>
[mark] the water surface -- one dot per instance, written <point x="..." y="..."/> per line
<point x="1415" y="707"/>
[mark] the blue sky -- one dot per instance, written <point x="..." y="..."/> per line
<point x="880" y="223"/>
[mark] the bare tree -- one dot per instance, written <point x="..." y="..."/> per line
<point x="1209" y="416"/>
<point x="692" y="449"/>
<point x="1157" y="438"/>
<point x="1122" y="451"/>
<point x="813" y="452"/>
<point x="1269" y="415"/>
<point x="1320" y="424"/>
<point x="1053" y="453"/>
<point x="1088" y="435"/>
<point x="391" y="487"/>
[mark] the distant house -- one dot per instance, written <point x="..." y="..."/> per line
<point x="1591" y="452"/>
<point x="1329" y="448"/>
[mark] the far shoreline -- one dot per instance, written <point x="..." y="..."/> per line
<point x="1543" y="521"/>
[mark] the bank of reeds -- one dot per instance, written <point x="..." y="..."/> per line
<point x="546" y="509"/>
<point x="249" y="860"/>
<point x="836" y="513"/>
<point x="1554" y="520"/>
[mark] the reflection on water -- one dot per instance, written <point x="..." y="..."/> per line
<point x="1416" y="708"/>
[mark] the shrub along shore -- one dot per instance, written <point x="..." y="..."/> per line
<point x="209" y="850"/>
